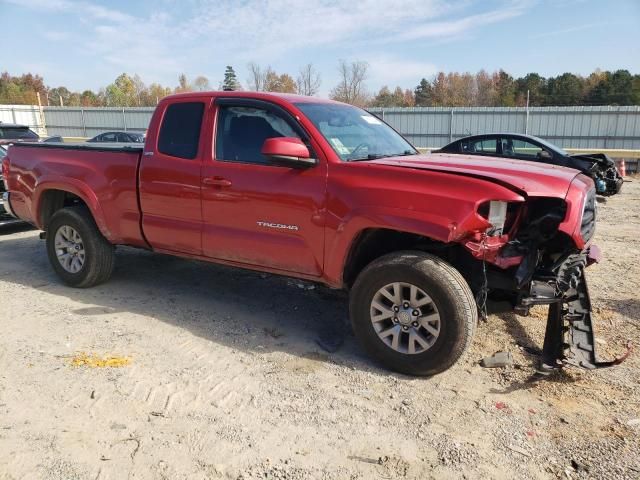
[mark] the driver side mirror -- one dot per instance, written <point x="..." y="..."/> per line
<point x="288" y="152"/>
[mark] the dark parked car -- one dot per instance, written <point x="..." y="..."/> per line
<point x="527" y="147"/>
<point x="53" y="139"/>
<point x="118" y="137"/>
<point x="11" y="133"/>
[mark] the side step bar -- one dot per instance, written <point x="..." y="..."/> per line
<point x="569" y="337"/>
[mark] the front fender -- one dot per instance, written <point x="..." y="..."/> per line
<point x="432" y="225"/>
<point x="435" y="205"/>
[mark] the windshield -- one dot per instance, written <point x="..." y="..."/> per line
<point x="551" y="146"/>
<point x="355" y="134"/>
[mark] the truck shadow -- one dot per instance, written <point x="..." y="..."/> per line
<point x="237" y="308"/>
<point x="531" y="347"/>
<point x="14" y="228"/>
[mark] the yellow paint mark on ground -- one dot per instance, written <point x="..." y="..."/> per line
<point x="95" y="361"/>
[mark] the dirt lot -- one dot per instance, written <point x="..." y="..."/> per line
<point x="217" y="375"/>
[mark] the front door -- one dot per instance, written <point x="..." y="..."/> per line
<point x="254" y="212"/>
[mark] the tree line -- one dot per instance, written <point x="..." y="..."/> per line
<point x="495" y="89"/>
<point x="499" y="89"/>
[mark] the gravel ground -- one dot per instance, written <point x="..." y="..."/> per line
<point x="218" y="376"/>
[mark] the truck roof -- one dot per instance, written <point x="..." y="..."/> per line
<point x="287" y="97"/>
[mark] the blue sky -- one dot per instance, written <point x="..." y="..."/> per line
<point x="87" y="43"/>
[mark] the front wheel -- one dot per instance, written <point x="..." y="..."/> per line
<point x="413" y="312"/>
<point x="77" y="251"/>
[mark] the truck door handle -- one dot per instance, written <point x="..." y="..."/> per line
<point x="216" y="181"/>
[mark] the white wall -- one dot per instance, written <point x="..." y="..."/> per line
<point x="24" y="115"/>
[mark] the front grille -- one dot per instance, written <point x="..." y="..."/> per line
<point x="588" y="225"/>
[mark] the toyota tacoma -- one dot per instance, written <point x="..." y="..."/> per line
<point x="326" y="192"/>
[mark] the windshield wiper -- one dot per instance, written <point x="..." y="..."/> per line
<point x="375" y="156"/>
<point x="371" y="156"/>
<point x="408" y="152"/>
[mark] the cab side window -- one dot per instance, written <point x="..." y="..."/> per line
<point x="241" y="132"/>
<point x="180" y="130"/>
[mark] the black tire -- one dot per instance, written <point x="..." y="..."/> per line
<point x="449" y="292"/>
<point x="99" y="253"/>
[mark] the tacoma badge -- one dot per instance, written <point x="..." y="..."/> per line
<point x="278" y="226"/>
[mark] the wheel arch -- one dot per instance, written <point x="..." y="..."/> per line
<point x="51" y="197"/>
<point x="372" y="243"/>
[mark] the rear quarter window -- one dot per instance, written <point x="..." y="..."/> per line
<point x="180" y="131"/>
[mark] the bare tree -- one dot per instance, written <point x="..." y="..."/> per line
<point x="257" y="77"/>
<point x="139" y="88"/>
<point x="351" y="88"/>
<point x="308" y="80"/>
<point x="486" y="86"/>
<point x="268" y="80"/>
<point x="183" y="84"/>
<point x="201" y="84"/>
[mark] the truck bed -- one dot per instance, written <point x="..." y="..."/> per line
<point x="104" y="177"/>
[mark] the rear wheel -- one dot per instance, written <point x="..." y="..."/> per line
<point x="413" y="312"/>
<point x="77" y="251"/>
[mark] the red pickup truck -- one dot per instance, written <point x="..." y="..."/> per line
<point x="324" y="191"/>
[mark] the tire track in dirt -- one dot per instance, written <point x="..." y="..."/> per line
<point x="209" y="376"/>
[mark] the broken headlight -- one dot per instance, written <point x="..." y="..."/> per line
<point x="499" y="214"/>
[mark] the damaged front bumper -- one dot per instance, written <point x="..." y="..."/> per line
<point x="536" y="254"/>
<point x="569" y="335"/>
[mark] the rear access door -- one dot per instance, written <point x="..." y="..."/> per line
<point x="170" y="193"/>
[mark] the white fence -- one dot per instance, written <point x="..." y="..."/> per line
<point x="609" y="127"/>
<point x="577" y="127"/>
<point x="29" y="115"/>
<point x="90" y="121"/>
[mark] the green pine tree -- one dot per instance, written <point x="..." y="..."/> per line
<point x="230" y="79"/>
<point x="423" y="94"/>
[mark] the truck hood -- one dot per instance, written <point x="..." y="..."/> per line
<point x="528" y="178"/>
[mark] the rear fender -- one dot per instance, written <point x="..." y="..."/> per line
<point x="75" y="187"/>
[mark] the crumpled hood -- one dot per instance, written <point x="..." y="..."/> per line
<point x="531" y="178"/>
